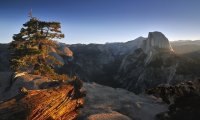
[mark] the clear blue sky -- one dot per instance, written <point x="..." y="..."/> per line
<point x="100" y="21"/>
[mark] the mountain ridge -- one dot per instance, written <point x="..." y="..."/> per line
<point x="102" y="63"/>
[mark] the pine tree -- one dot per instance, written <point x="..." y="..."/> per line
<point x="30" y="48"/>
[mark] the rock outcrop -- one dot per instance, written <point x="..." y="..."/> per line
<point x="183" y="99"/>
<point x="33" y="97"/>
<point x="13" y="82"/>
<point x="50" y="104"/>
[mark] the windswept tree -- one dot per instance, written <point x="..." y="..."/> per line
<point x="30" y="48"/>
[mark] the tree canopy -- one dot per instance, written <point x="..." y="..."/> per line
<point x="30" y="48"/>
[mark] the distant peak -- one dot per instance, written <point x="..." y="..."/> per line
<point x="158" y="36"/>
<point x="156" y="39"/>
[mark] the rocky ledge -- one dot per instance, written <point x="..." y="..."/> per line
<point x="107" y="103"/>
<point x="31" y="97"/>
<point x="49" y="104"/>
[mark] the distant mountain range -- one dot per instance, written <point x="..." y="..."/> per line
<point x="138" y="64"/>
<point x="150" y="65"/>
<point x="185" y="46"/>
<point x="135" y="65"/>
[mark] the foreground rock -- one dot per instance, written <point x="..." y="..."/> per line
<point x="32" y="97"/>
<point x="106" y="103"/>
<point x="52" y="104"/>
<point x="11" y="83"/>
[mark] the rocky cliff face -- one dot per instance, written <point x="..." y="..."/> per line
<point x="136" y="74"/>
<point x="156" y="40"/>
<point x="155" y="43"/>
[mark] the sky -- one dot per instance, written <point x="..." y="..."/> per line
<point x="101" y="21"/>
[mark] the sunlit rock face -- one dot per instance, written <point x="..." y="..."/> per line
<point x="32" y="97"/>
<point x="47" y="104"/>
<point x="62" y="53"/>
<point x="66" y="51"/>
<point x="156" y="40"/>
